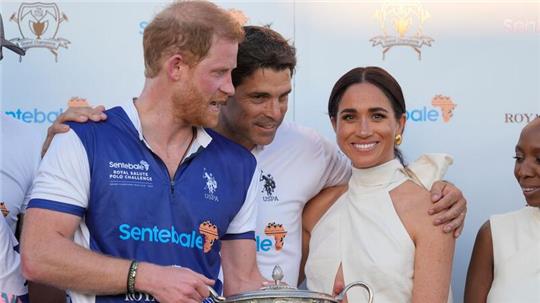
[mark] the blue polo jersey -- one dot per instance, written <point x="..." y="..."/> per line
<point x="137" y="211"/>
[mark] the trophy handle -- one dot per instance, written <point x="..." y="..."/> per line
<point x="214" y="296"/>
<point x="341" y="295"/>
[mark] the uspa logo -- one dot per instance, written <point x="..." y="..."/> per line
<point x="402" y="24"/>
<point x="211" y="186"/>
<point x="442" y="108"/>
<point x="39" y="24"/>
<point x="268" y="188"/>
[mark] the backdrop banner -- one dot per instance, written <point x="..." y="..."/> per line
<point x="470" y="73"/>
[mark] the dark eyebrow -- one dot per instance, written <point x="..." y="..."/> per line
<point x="371" y="110"/>
<point x="286" y="93"/>
<point x="377" y="109"/>
<point x="534" y="149"/>
<point x="259" y="94"/>
<point x="348" y="111"/>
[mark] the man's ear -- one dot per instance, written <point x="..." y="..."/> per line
<point x="176" y="66"/>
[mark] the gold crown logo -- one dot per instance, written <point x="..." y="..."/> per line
<point x="403" y="17"/>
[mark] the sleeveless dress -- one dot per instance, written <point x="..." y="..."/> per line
<point x="516" y="256"/>
<point x="363" y="232"/>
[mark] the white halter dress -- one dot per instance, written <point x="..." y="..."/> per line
<point x="363" y="232"/>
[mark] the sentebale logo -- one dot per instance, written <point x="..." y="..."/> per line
<point x="443" y="108"/>
<point x="154" y="234"/>
<point x="277" y="231"/>
<point x="210" y="233"/>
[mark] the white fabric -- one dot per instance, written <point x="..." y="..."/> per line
<point x="245" y="220"/>
<point x="11" y="279"/>
<point x="363" y="232"/>
<point x="301" y="163"/>
<point x="516" y="256"/>
<point x="20" y="149"/>
<point x="64" y="176"/>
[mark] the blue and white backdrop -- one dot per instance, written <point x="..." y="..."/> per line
<point x="470" y="72"/>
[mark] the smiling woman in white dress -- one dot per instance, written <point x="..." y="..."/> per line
<point x="505" y="263"/>
<point x="378" y="230"/>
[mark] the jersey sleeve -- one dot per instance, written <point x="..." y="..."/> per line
<point x="11" y="280"/>
<point x="63" y="179"/>
<point x="337" y="166"/>
<point x="33" y="167"/>
<point x="243" y="224"/>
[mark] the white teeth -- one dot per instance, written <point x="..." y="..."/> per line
<point x="365" y="146"/>
<point x="528" y="189"/>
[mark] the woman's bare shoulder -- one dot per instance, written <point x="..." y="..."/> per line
<point x="412" y="203"/>
<point x="411" y="198"/>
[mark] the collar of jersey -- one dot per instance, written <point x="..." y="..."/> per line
<point x="202" y="138"/>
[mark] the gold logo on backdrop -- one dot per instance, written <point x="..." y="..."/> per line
<point x="38" y="25"/>
<point x="402" y="25"/>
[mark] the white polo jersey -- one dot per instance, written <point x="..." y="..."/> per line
<point x="20" y="149"/>
<point x="295" y="167"/>
<point x="11" y="279"/>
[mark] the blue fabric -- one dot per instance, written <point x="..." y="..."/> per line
<point x="135" y="210"/>
<point x="57" y="206"/>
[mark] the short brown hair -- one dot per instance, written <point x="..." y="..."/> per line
<point x="188" y="28"/>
